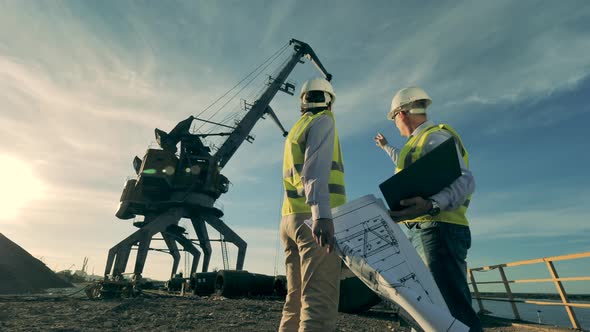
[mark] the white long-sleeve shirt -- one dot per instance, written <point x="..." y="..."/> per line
<point x="315" y="175"/>
<point x="451" y="197"/>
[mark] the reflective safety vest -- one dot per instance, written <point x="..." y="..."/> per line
<point x="294" y="157"/>
<point x="414" y="150"/>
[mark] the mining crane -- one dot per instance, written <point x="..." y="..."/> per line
<point x="181" y="183"/>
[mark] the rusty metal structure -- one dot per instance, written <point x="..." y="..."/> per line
<point x="182" y="179"/>
<point x="555" y="279"/>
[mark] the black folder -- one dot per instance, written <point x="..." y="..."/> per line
<point x="425" y="177"/>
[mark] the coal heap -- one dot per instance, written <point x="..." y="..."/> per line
<point x="22" y="273"/>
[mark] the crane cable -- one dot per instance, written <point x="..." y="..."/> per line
<point x="248" y="83"/>
<point x="254" y="92"/>
<point x="243" y="79"/>
<point x="274" y="55"/>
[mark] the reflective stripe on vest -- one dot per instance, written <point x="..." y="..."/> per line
<point x="414" y="150"/>
<point x="293" y="159"/>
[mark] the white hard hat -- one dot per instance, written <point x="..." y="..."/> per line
<point x="325" y="97"/>
<point x="407" y="96"/>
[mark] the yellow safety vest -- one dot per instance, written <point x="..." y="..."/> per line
<point x="414" y="150"/>
<point x="294" y="157"/>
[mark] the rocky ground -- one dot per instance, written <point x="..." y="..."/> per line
<point x="152" y="312"/>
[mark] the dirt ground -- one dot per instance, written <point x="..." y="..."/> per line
<point x="170" y="313"/>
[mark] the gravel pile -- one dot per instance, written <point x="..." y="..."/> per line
<point x="22" y="273"/>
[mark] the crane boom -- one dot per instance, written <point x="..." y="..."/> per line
<point x="261" y="106"/>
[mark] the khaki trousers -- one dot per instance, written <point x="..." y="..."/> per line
<point x="313" y="279"/>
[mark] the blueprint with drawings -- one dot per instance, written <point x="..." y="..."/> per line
<point x="377" y="251"/>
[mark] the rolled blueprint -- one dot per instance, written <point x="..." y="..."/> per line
<point x="377" y="251"/>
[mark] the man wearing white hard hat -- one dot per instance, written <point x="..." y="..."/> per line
<point x="313" y="178"/>
<point x="438" y="226"/>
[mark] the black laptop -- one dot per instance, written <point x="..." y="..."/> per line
<point x="425" y="177"/>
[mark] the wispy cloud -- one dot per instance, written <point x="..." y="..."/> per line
<point x="470" y="53"/>
<point x="529" y="212"/>
<point x="83" y="85"/>
<point x="528" y="223"/>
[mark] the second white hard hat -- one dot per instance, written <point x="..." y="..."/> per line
<point x="407" y="96"/>
<point x="325" y="97"/>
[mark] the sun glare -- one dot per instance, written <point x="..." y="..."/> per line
<point x="18" y="186"/>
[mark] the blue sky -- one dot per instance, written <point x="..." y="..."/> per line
<point x="83" y="85"/>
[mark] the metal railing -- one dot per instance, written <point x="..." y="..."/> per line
<point x="554" y="278"/>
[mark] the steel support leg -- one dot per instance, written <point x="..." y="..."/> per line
<point x="110" y="261"/>
<point x="142" y="252"/>
<point x="230" y="236"/>
<point x="204" y="243"/>
<point x="143" y="236"/>
<point x="171" y="244"/>
<point x="188" y="246"/>
<point x="123" y="252"/>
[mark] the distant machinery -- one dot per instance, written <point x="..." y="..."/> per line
<point x="175" y="183"/>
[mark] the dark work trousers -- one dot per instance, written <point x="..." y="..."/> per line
<point x="443" y="247"/>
